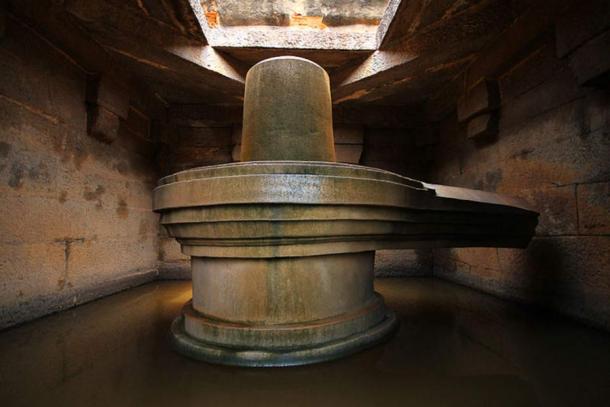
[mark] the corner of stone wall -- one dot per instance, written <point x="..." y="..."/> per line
<point x="403" y="263"/>
<point x="551" y="149"/>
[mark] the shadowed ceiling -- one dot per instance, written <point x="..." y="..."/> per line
<point x="378" y="52"/>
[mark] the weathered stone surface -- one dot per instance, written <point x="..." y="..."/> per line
<point x="102" y="124"/>
<point x="348" y="143"/>
<point x="348" y="153"/>
<point x="548" y="273"/>
<point x="75" y="215"/>
<point x="138" y="124"/>
<point x="532" y="70"/>
<point x="282" y="250"/>
<point x="287" y="112"/>
<point x="198" y="115"/>
<point x="204" y="136"/>
<point x="514" y="42"/>
<point x="403" y="263"/>
<point x="580" y="23"/>
<point x="483" y="126"/>
<point x="593" y="208"/>
<point x="389" y="18"/>
<point x="551" y="150"/>
<point x="482" y="98"/>
<point x="2" y="21"/>
<point x="348" y="134"/>
<point x="591" y="62"/>
<point x="110" y="92"/>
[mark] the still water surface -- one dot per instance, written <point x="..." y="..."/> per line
<point x="455" y="347"/>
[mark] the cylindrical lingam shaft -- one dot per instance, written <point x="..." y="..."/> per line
<point x="287" y="112"/>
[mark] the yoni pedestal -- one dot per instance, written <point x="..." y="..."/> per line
<point x="282" y="251"/>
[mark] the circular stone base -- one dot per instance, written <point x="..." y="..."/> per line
<point x="196" y="349"/>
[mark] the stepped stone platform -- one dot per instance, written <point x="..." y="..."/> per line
<point x="283" y="243"/>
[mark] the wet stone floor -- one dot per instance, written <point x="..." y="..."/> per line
<point x="455" y="347"/>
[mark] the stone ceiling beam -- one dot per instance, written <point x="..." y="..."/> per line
<point x="49" y="20"/>
<point x="388" y="20"/>
<point x="163" y="52"/>
<point x="283" y="37"/>
<point x="328" y="59"/>
<point x="425" y="56"/>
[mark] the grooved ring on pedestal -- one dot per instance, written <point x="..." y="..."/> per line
<point x="282" y="336"/>
<point x="199" y="350"/>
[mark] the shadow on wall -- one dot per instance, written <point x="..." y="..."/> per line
<point x="549" y="274"/>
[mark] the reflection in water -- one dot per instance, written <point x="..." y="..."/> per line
<point x="455" y="347"/>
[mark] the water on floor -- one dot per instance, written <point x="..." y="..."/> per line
<point x="455" y="347"/>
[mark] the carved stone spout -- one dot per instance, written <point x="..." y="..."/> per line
<point x="282" y="244"/>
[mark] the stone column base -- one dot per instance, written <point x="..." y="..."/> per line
<point x="281" y="311"/>
<point x="302" y="355"/>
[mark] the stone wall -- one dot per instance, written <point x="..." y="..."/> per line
<point x="76" y="214"/>
<point x="551" y="146"/>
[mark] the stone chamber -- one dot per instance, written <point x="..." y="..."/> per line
<point x="101" y="99"/>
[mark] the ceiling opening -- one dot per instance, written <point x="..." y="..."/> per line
<point x="313" y="14"/>
<point x="292" y="24"/>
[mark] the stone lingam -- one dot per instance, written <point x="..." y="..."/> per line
<point x="282" y="244"/>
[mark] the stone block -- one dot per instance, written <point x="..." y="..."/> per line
<point x="236" y="153"/>
<point x="570" y="274"/>
<point x="388" y="137"/>
<point x="182" y="158"/>
<point x="555" y="148"/>
<point x="484" y="126"/>
<point x="534" y="69"/>
<point x="482" y="98"/>
<point x="138" y="124"/>
<point x="378" y="117"/>
<point x="204" y="137"/>
<point x="169" y="250"/>
<point x="594" y="208"/>
<point x="236" y="134"/>
<point x="102" y="124"/>
<point x="204" y="115"/>
<point x="597" y="111"/>
<point x="348" y="153"/>
<point x="24" y="286"/>
<point x="591" y="62"/>
<point x="25" y="170"/>
<point x="77" y="213"/>
<point x="515" y="42"/>
<point x="110" y="92"/>
<point x="557" y="90"/>
<point x="387" y="152"/>
<point x="557" y="208"/>
<point x="2" y="22"/>
<point x="403" y="263"/>
<point x="580" y="23"/>
<point x="349" y="134"/>
<point x="556" y="204"/>
<point x="84" y="267"/>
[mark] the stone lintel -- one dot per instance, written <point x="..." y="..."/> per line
<point x="483" y="97"/>
<point x="483" y="126"/>
<point x="591" y="62"/>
